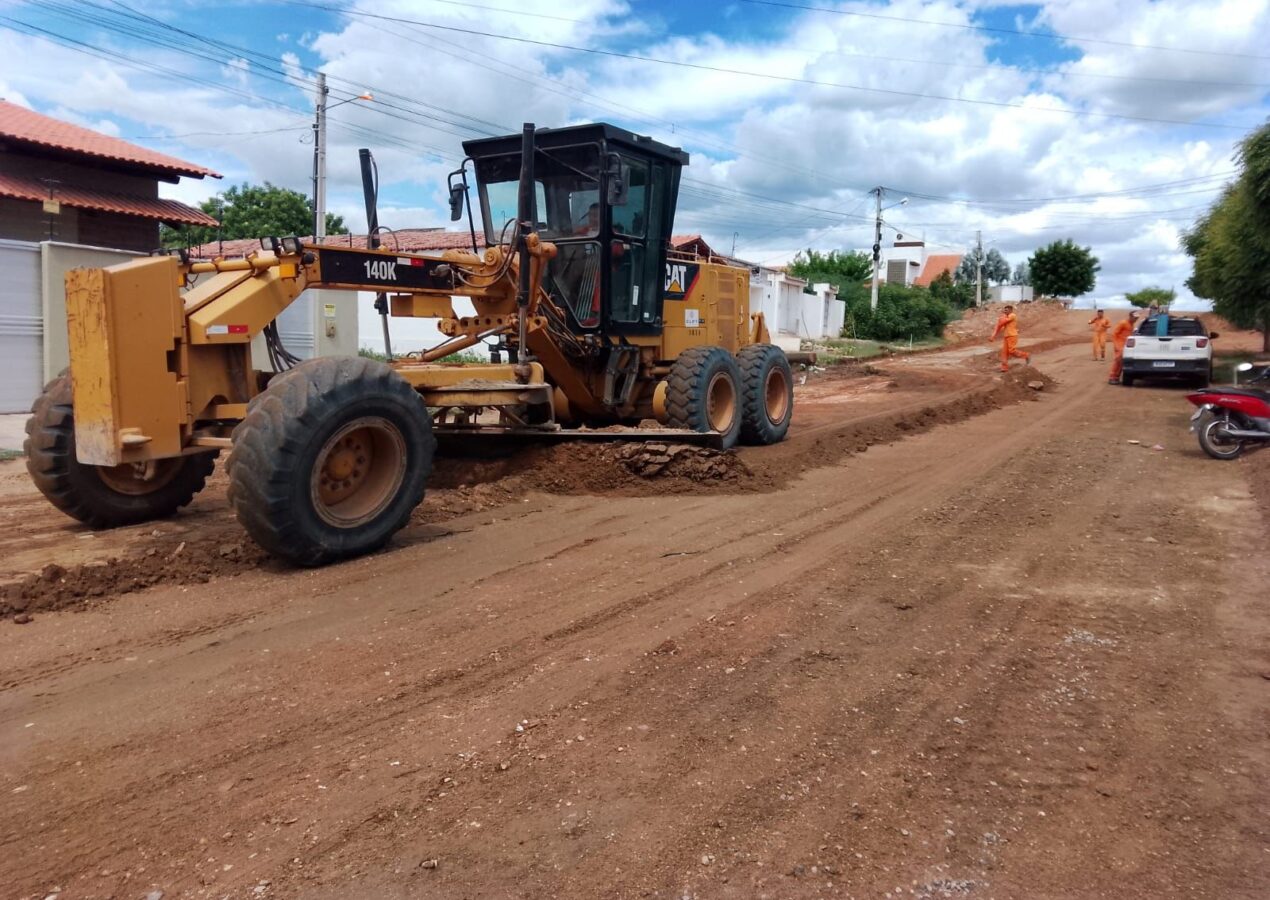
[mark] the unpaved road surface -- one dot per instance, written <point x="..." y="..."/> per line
<point x="1011" y="654"/>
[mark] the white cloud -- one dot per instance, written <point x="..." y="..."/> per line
<point x="779" y="164"/>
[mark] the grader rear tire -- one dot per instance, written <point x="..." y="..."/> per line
<point x="703" y="393"/>
<point x="99" y="496"/>
<point x="330" y="460"/>
<point x="767" y="391"/>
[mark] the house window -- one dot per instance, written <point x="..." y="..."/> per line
<point x="897" y="271"/>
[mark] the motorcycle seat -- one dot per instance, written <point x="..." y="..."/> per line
<point x="1257" y="393"/>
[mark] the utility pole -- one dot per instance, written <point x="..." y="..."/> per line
<point x="877" y="248"/>
<point x="978" y="268"/>
<point x="319" y="160"/>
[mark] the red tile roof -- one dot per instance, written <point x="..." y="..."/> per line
<point x="936" y="265"/>
<point x="407" y="240"/>
<point x="18" y="123"/>
<point x="20" y="188"/>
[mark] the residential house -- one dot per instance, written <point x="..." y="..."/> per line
<point x="62" y="182"/>
<point x="69" y="197"/>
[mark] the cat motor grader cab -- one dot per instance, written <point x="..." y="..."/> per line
<point x="602" y="325"/>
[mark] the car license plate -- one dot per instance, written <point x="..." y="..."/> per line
<point x="1164" y="364"/>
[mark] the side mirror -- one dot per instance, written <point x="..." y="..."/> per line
<point x="618" y="183"/>
<point x="1212" y="335"/>
<point x="457" y="195"/>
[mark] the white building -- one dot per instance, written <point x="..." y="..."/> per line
<point x="909" y="262"/>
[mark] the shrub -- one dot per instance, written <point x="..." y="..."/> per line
<point x="902" y="313"/>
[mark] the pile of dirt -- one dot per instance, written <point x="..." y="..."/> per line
<point x="696" y="464"/>
<point x="1024" y="382"/>
<point x="193" y="562"/>
<point x="631" y="468"/>
<point x="976" y="324"/>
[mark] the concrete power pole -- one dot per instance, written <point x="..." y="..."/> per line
<point x="877" y="248"/>
<point x="978" y="268"/>
<point x="319" y="160"/>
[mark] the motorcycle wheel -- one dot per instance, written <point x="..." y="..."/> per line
<point x="1214" y="441"/>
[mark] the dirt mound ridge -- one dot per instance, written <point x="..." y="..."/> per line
<point x="464" y="485"/>
<point x="623" y="468"/>
<point x="183" y="562"/>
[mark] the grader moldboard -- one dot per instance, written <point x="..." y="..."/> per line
<point x="602" y="324"/>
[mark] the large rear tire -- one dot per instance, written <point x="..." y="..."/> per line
<point x="330" y="460"/>
<point x="767" y="393"/>
<point x="100" y="496"/>
<point x="703" y="393"/>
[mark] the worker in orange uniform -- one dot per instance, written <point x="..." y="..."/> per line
<point x="1101" y="325"/>
<point x="1008" y="325"/>
<point x="1118" y="338"/>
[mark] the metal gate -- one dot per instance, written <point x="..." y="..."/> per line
<point x="21" y="326"/>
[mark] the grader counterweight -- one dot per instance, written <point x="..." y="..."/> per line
<point x="602" y="325"/>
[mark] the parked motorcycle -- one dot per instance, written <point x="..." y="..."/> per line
<point x="1230" y="419"/>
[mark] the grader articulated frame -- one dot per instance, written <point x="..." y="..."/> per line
<point x="602" y="326"/>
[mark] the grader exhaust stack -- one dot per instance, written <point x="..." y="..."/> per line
<point x="606" y="326"/>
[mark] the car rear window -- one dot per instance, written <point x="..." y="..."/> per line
<point x="1177" y="327"/>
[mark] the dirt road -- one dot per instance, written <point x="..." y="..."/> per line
<point x="1014" y="655"/>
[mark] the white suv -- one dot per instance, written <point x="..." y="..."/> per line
<point x="1167" y="346"/>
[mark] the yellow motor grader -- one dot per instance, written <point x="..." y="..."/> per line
<point x="602" y="325"/>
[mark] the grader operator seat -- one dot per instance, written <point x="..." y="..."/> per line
<point x="606" y="198"/>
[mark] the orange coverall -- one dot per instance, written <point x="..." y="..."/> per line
<point x="1101" y="326"/>
<point x="1009" y="325"/>
<point x="1118" y="337"/>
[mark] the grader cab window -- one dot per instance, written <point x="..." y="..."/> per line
<point x="567" y="192"/>
<point x="606" y="200"/>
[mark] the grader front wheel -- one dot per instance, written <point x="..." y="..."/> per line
<point x="99" y="496"/>
<point x="330" y="460"/>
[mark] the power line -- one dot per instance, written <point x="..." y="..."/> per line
<point x="789" y="79"/>
<point x="1053" y="36"/>
<point x="1146" y="192"/>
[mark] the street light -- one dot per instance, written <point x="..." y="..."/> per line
<point x="319" y="153"/>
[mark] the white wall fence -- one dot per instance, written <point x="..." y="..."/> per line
<point x="1010" y="293"/>
<point x="792" y="314"/>
<point x="21" y="325"/>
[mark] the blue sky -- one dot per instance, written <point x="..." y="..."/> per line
<point x="777" y="165"/>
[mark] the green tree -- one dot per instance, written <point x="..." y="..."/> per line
<point x="959" y="295"/>
<point x="995" y="268"/>
<point x="1148" y="295"/>
<point x="1063" y="270"/>
<point x="1230" y="244"/>
<point x="252" y="211"/>
<point x="838" y="269"/>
